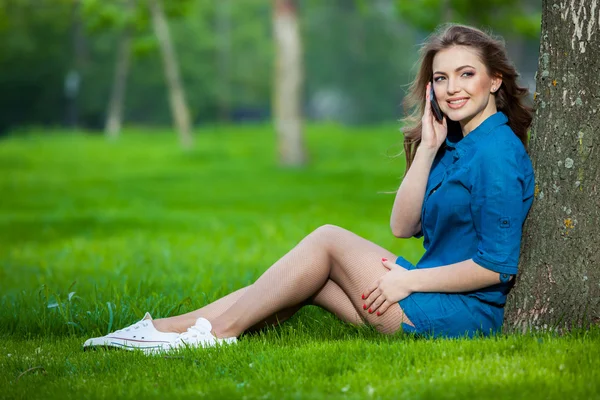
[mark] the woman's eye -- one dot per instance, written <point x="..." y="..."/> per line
<point x="439" y="78"/>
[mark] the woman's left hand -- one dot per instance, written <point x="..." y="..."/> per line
<point x="387" y="290"/>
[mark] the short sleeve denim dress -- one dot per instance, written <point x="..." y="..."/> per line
<point x="479" y="192"/>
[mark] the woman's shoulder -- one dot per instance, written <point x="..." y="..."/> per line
<point x="503" y="137"/>
<point x="504" y="140"/>
<point x="503" y="149"/>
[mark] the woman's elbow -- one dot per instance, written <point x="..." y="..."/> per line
<point x="399" y="233"/>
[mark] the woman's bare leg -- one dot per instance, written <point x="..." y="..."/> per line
<point x="330" y="297"/>
<point x="330" y="252"/>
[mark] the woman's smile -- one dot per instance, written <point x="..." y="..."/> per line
<point x="455" y="104"/>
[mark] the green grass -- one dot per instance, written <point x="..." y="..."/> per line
<point x="93" y="234"/>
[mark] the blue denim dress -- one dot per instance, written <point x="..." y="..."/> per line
<point x="479" y="192"/>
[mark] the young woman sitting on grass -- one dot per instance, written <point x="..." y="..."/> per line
<point x="467" y="190"/>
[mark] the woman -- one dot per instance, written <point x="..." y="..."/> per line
<point x="468" y="189"/>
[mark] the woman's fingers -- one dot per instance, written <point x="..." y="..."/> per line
<point x="441" y="130"/>
<point x="427" y="126"/>
<point x="383" y="308"/>
<point x="427" y="113"/>
<point x="371" y="298"/>
<point x="376" y="304"/>
<point x="366" y="293"/>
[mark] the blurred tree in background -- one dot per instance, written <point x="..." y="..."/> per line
<point x="179" y="107"/>
<point x="114" y="118"/>
<point x="223" y="70"/>
<point x="288" y="83"/>
<point x="59" y="57"/>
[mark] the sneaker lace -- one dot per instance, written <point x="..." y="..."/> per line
<point x="192" y="333"/>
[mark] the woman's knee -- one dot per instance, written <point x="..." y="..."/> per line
<point x="327" y="229"/>
<point x="324" y="233"/>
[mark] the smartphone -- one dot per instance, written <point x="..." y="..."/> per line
<point x="434" y="105"/>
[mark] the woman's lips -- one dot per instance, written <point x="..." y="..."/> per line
<point x="457" y="105"/>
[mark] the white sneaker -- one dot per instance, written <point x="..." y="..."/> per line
<point x="199" y="335"/>
<point x="142" y="335"/>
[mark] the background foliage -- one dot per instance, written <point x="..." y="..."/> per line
<point x="358" y="56"/>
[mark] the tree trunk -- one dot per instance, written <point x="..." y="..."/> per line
<point x="288" y="83"/>
<point x="114" y="116"/>
<point x="223" y="31"/>
<point x="559" y="283"/>
<point x="179" y="107"/>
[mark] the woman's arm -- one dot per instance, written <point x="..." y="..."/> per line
<point x="463" y="276"/>
<point x="399" y="283"/>
<point x="406" y="212"/>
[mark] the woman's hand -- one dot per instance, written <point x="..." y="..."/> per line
<point x="387" y="290"/>
<point x="433" y="133"/>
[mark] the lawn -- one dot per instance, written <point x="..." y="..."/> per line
<point x="93" y="234"/>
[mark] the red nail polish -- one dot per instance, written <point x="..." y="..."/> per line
<point x="370" y="311"/>
<point x="363" y="296"/>
<point x="384" y="259"/>
<point x="378" y="314"/>
<point x="364" y="306"/>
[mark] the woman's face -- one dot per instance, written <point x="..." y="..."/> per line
<point x="463" y="87"/>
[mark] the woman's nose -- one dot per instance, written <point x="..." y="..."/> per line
<point x="452" y="86"/>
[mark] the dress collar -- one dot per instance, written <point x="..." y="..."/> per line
<point x="463" y="144"/>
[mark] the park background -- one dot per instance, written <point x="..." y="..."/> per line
<point x="99" y="225"/>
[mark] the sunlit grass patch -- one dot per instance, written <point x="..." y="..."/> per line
<point x="93" y="234"/>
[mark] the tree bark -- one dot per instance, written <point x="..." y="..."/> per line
<point x="559" y="283"/>
<point x="289" y="76"/>
<point x="114" y="116"/>
<point x="177" y="101"/>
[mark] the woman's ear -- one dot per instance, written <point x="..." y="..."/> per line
<point x="496" y="83"/>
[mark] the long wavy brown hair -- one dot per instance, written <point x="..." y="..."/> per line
<point x="492" y="53"/>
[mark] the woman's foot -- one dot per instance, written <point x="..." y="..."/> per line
<point x="142" y="335"/>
